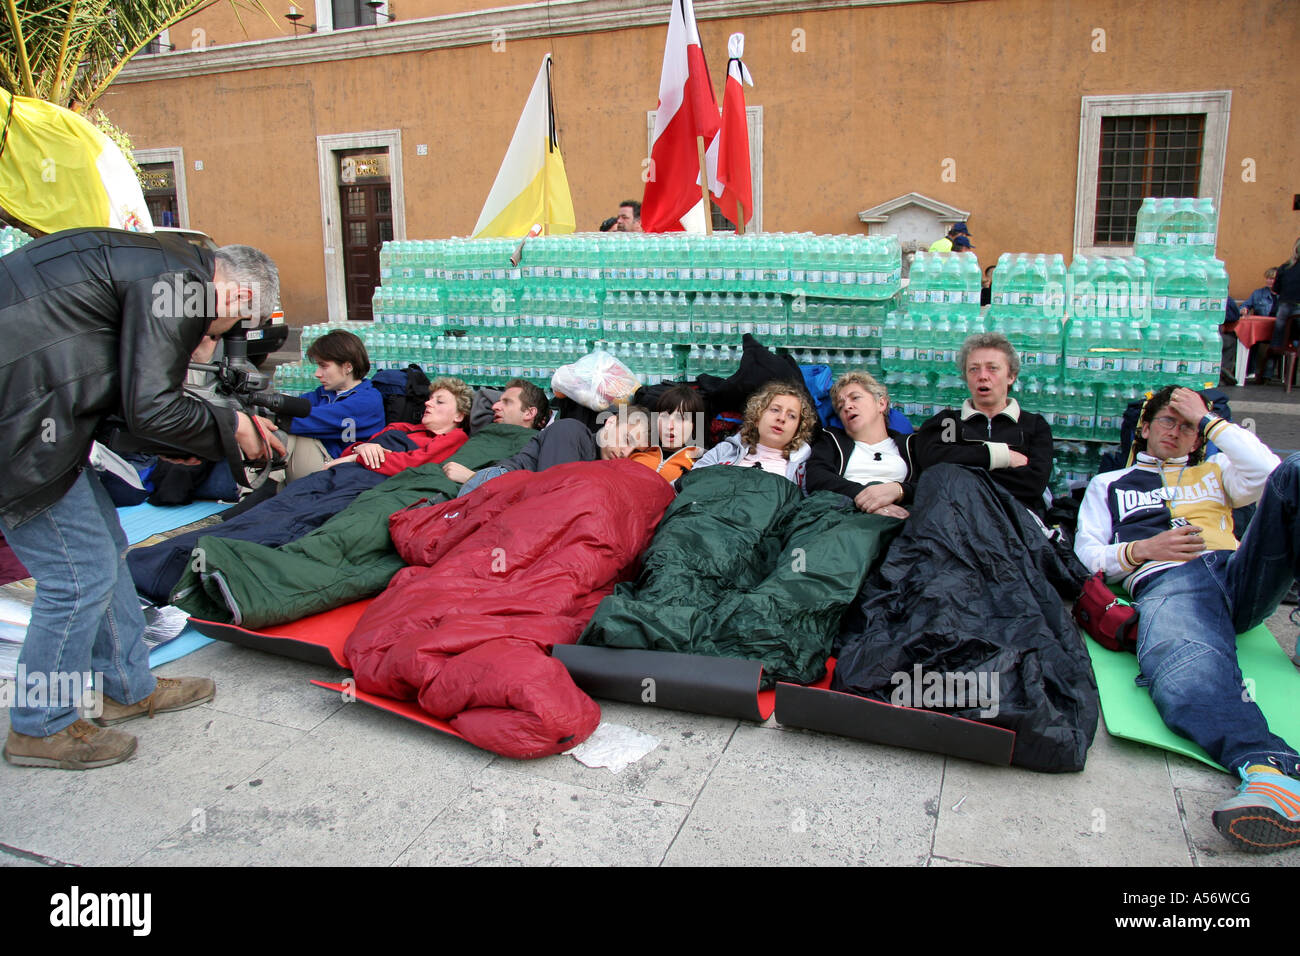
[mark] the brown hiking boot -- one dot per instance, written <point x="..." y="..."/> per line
<point x="79" y="746"/>
<point x="172" y="693"/>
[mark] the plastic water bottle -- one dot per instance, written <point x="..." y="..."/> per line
<point x="1209" y="221"/>
<point x="1145" y="238"/>
<point x="918" y="288"/>
<point x="1050" y="402"/>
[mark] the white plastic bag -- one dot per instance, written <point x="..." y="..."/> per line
<point x="596" y="381"/>
<point x="613" y="746"/>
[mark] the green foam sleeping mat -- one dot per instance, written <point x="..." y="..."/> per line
<point x="1130" y="712"/>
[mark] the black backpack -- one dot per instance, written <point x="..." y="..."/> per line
<point x="405" y="392"/>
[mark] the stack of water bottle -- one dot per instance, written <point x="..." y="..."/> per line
<point x="799" y="292"/>
<point x="794" y="264"/>
<point x="794" y="292"/>
<point x="11" y="239"/>
<point x="943" y="308"/>
<point x="1073" y="465"/>
<point x="1181" y="228"/>
<point x="1027" y="305"/>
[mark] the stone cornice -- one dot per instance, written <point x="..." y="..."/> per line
<point x="557" y="18"/>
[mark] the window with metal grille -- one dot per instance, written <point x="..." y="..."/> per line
<point x="352" y="13"/>
<point x="1144" y="156"/>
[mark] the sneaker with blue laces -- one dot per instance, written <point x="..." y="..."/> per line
<point x="1264" y="815"/>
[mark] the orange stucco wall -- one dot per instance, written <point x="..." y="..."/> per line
<point x="871" y="108"/>
<point x="223" y="23"/>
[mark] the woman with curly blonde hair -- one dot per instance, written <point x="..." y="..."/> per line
<point x="435" y="439"/>
<point x="779" y="420"/>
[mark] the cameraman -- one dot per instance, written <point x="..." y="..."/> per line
<point x="95" y="322"/>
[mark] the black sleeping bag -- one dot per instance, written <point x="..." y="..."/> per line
<point x="970" y="595"/>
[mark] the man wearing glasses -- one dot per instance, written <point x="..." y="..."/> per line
<point x="1163" y="527"/>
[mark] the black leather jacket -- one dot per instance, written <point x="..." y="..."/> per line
<point x="89" y="326"/>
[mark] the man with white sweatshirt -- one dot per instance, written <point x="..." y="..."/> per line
<point x="1163" y="526"/>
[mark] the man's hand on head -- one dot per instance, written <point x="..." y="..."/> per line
<point x="1188" y="405"/>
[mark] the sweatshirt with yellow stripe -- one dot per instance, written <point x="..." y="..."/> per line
<point x="1152" y="496"/>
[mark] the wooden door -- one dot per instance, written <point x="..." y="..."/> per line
<point x="367" y="219"/>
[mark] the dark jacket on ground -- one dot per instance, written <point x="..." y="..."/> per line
<point x="968" y="437"/>
<point x="91" y="325"/>
<point x="830" y="456"/>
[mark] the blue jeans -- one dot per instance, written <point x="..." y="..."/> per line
<point x="479" y="478"/>
<point x="87" y="616"/>
<point x="1188" y="621"/>
<point x="1284" y="311"/>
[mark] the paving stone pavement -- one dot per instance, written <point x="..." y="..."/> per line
<point x="276" y="771"/>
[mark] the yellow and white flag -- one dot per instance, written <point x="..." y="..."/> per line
<point x="58" y="172"/>
<point x="531" y="187"/>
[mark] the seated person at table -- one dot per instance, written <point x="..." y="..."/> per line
<point x="345" y="407"/>
<point x="1164" y="527"/>
<point x="434" y="439"/>
<point x="676" y="414"/>
<point x="1263" y="301"/>
<point x="991" y="430"/>
<point x="779" y="420"/>
<point x="523" y="404"/>
<point x="624" y="432"/>
<point x="865" y="460"/>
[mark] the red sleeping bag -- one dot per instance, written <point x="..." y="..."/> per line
<point x="495" y="579"/>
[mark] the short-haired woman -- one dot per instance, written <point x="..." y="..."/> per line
<point x="435" y="439"/>
<point x="865" y="460"/>
<point x="991" y="430"/>
<point x="344" y="408"/>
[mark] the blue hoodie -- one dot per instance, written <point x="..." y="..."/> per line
<point x="360" y="410"/>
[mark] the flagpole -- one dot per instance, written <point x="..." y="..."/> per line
<point x="704" y="187"/>
<point x="740" y="219"/>
<point x="550" y="144"/>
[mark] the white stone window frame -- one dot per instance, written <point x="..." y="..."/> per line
<point x="754" y="121"/>
<point x="176" y="156"/>
<point x="336" y="294"/>
<point x="1216" y="105"/>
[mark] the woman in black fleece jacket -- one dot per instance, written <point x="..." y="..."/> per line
<point x="865" y="461"/>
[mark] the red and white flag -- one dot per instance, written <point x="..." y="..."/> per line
<point x="687" y="109"/>
<point x="733" y="183"/>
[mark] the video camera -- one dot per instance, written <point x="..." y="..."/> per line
<point x="240" y="385"/>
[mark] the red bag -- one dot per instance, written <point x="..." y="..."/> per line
<point x="1108" y="620"/>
